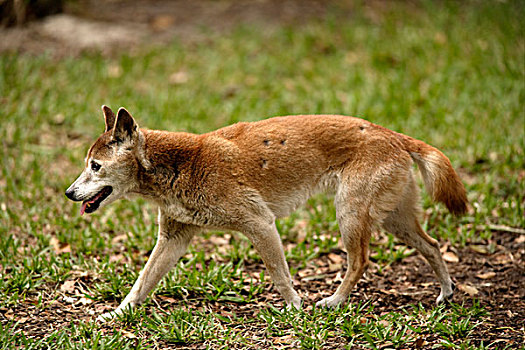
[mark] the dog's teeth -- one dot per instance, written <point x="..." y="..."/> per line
<point x="88" y="205"/>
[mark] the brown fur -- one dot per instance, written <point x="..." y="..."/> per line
<point x="244" y="176"/>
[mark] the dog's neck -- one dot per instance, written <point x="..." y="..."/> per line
<point x="162" y="157"/>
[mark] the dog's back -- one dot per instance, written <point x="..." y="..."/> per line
<point x="288" y="158"/>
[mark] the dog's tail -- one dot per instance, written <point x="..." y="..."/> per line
<point x="441" y="181"/>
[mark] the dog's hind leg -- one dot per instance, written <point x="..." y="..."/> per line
<point x="404" y="224"/>
<point x="364" y="197"/>
<point x="355" y="227"/>
<point x="172" y="242"/>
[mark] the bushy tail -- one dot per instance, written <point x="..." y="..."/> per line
<point x="441" y="181"/>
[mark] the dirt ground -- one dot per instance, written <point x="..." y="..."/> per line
<point x="495" y="280"/>
<point x="491" y="272"/>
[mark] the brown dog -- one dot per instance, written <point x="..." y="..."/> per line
<point x="245" y="176"/>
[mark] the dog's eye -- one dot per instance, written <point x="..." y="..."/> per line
<point x="95" y="166"/>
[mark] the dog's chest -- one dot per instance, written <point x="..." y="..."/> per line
<point x="186" y="214"/>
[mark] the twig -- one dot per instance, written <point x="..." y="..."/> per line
<point x="504" y="228"/>
<point x="500" y="228"/>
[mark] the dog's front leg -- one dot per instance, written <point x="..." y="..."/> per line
<point x="172" y="242"/>
<point x="266" y="240"/>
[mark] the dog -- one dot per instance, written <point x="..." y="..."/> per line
<point x="244" y="176"/>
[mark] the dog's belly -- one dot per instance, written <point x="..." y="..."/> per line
<point x="284" y="203"/>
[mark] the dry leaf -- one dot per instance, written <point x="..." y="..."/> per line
<point x="65" y="249"/>
<point x="470" y="290"/>
<point x="59" y="119"/>
<point x="79" y="273"/>
<point x="116" y="258"/>
<point x="305" y="273"/>
<point x="114" y="71"/>
<point x="479" y="249"/>
<point x="100" y="308"/>
<point x="119" y="238"/>
<point x="286" y="339"/>
<point x="85" y="301"/>
<point x="70" y="300"/>
<point x="177" y="78"/>
<point x="335" y="258"/>
<point x="334" y="267"/>
<point x="223" y="249"/>
<point x="440" y="38"/>
<point x="315" y="277"/>
<point x="219" y="241"/>
<point x="162" y="22"/>
<point x="501" y="259"/>
<point x="420" y="342"/>
<point x="68" y="286"/>
<point x="165" y="298"/>
<point x="450" y="257"/>
<point x="486" y="275"/>
<point x="225" y="313"/>
<point x="128" y="334"/>
<point x="384" y="323"/>
<point x="55" y="244"/>
<point x="23" y="320"/>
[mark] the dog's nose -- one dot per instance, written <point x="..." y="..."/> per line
<point x="70" y="193"/>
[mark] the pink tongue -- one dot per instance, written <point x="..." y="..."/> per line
<point x="83" y="208"/>
<point x="84" y="204"/>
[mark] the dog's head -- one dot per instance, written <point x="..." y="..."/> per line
<point x="111" y="164"/>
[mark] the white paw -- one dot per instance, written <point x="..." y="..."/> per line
<point x="330" y="302"/>
<point x="446" y="296"/>
<point x="108" y="316"/>
<point x="294" y="304"/>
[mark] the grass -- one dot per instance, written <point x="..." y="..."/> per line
<point x="447" y="73"/>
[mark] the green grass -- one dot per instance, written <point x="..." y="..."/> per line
<point x="448" y="73"/>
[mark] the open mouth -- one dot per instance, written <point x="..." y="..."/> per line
<point x="90" y="205"/>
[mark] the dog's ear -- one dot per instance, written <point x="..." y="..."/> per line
<point x="109" y="117"/>
<point x="125" y="127"/>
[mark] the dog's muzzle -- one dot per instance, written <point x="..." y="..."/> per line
<point x="91" y="204"/>
<point x="70" y="193"/>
